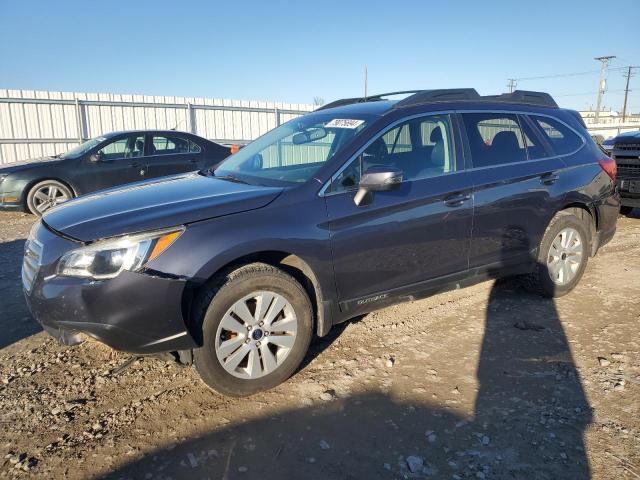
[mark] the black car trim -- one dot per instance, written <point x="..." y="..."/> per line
<point x="415" y="291"/>
<point x="524" y="113"/>
<point x="323" y="191"/>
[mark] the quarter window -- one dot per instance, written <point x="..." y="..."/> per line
<point x="194" y="147"/>
<point x="563" y="140"/>
<point x="168" y="145"/>
<point x="497" y="139"/>
<point x="421" y="148"/>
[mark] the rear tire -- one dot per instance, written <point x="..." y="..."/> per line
<point x="272" y="339"/>
<point x="562" y="256"/>
<point x="625" y="210"/>
<point x="47" y="194"/>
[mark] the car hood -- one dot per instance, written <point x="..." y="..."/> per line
<point x="153" y="204"/>
<point x="27" y="164"/>
<point x="628" y="137"/>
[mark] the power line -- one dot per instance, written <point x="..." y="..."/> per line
<point x="560" y="75"/>
<point x="587" y="93"/>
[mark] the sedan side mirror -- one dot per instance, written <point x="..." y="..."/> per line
<point x="379" y="178"/>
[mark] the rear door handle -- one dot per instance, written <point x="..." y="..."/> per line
<point x="549" y="178"/>
<point x="456" y="199"/>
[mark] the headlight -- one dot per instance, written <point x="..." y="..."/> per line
<point x="107" y="258"/>
<point x="3" y="176"/>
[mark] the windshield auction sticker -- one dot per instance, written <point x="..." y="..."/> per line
<point x="344" y="123"/>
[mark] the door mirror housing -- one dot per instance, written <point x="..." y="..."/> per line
<point x="379" y="178"/>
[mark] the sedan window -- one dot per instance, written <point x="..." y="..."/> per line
<point x="194" y="147"/>
<point x="126" y="147"/>
<point x="168" y="145"/>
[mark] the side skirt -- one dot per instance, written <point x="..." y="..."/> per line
<point x="417" y="291"/>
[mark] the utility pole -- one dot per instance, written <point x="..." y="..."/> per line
<point x="626" y="92"/>
<point x="512" y="84"/>
<point x="365" y="82"/>
<point x="604" y="63"/>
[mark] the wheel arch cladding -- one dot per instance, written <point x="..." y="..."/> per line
<point x="589" y="215"/>
<point x="292" y="264"/>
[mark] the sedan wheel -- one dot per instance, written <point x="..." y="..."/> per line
<point x="46" y="195"/>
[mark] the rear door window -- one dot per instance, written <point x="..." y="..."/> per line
<point x="498" y="139"/>
<point x="168" y="145"/>
<point x="562" y="139"/>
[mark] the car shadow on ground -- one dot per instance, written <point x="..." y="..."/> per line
<point x="16" y="322"/>
<point x="528" y="422"/>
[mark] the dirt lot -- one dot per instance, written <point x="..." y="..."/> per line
<point x="486" y="382"/>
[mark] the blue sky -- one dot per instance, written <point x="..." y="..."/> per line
<point x="293" y="51"/>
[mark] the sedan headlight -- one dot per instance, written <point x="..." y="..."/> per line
<point x="107" y="258"/>
<point x="3" y="176"/>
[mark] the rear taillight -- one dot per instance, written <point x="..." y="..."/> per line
<point x="609" y="166"/>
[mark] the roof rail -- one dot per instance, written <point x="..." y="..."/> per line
<point x="370" y="98"/>
<point x="525" y="96"/>
<point x="452" y="94"/>
<point x="442" y="95"/>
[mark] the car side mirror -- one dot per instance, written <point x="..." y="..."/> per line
<point x="379" y="178"/>
<point x="96" y="157"/>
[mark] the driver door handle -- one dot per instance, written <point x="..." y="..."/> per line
<point x="549" y="178"/>
<point x="456" y="199"/>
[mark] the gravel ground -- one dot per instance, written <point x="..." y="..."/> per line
<point x="485" y="382"/>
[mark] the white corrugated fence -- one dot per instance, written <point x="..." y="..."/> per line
<point x="37" y="123"/>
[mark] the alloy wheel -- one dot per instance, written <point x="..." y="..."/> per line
<point x="47" y="196"/>
<point x="256" y="335"/>
<point x="565" y="256"/>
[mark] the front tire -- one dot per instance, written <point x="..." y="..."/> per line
<point x="562" y="256"/>
<point x="257" y="323"/>
<point x="47" y="194"/>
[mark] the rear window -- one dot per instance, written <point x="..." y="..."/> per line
<point x="562" y="139"/>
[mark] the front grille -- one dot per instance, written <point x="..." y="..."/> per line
<point x="626" y="146"/>
<point x="31" y="263"/>
<point x="629" y="170"/>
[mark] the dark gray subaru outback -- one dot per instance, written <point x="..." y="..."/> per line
<point x="361" y="204"/>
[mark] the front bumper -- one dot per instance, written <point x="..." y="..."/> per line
<point x="630" y="201"/>
<point x="11" y="201"/>
<point x="134" y="312"/>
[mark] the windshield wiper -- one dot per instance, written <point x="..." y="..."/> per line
<point x="230" y="178"/>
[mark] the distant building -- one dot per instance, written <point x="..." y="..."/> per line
<point x="610" y="122"/>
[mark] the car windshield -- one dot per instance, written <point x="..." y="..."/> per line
<point x="293" y="152"/>
<point x="83" y="148"/>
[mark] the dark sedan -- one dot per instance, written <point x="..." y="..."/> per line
<point x="112" y="159"/>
